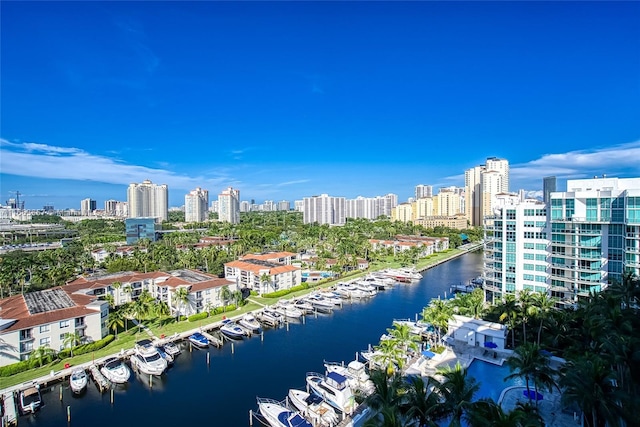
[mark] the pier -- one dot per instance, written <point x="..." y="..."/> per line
<point x="213" y="340"/>
<point x="102" y="383"/>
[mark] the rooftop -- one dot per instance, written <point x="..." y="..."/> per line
<point x="47" y="300"/>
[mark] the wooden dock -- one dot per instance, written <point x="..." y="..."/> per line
<point x="213" y="340"/>
<point x="10" y="417"/>
<point x="266" y="321"/>
<point x="102" y="383"/>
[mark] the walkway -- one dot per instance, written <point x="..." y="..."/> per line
<point x="144" y="328"/>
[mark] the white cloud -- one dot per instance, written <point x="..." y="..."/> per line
<point x="45" y="161"/>
<point x="612" y="160"/>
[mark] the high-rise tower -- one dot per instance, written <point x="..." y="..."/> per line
<point x="148" y="200"/>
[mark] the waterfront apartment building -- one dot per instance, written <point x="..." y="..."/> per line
<point x="482" y="184"/>
<point x="595" y="235"/>
<point x="196" y="203"/>
<point x="148" y="200"/>
<point x="515" y="248"/>
<point x="261" y="275"/>
<point x="87" y="206"/>
<point x="229" y="205"/>
<point x="44" y="318"/>
<point x="324" y="209"/>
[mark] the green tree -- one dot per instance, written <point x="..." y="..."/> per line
<point x="530" y="363"/>
<point x="115" y="320"/>
<point x="72" y="339"/>
<point x="456" y="391"/>
<point x="510" y="311"/>
<point x="181" y="298"/>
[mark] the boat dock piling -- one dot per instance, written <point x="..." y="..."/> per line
<point x="98" y="378"/>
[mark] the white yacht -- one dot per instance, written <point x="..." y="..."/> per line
<point x="313" y="407"/>
<point x="115" y="370"/>
<point x="304" y="306"/>
<point x="30" y="399"/>
<point x="351" y="291"/>
<point x="249" y="321"/>
<point x="147" y="359"/>
<point x="78" y="380"/>
<point x="278" y="415"/>
<point x="367" y="288"/>
<point x="334" y="389"/>
<point x="288" y="310"/>
<point x="320" y="303"/>
<point x="356" y="375"/>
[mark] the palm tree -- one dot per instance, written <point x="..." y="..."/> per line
<point x="181" y="297"/>
<point x="591" y="384"/>
<point x="488" y="413"/>
<point x="389" y="356"/>
<point x="403" y="338"/>
<point x="386" y="398"/>
<point x="420" y="400"/>
<point x="72" y="339"/>
<point x="527" y="309"/>
<point x="438" y="313"/>
<point x="41" y="355"/>
<point x="456" y="391"/>
<point x="115" y="320"/>
<point x="510" y="312"/>
<point x="225" y="294"/>
<point x="544" y="305"/>
<point x="265" y="279"/>
<point x="530" y="363"/>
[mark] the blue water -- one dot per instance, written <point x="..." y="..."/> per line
<point x="222" y="393"/>
<point x="491" y="378"/>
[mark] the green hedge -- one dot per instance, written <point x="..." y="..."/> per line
<point x="198" y="316"/>
<point x="284" y="292"/>
<point x="88" y="348"/>
<point x="15" y="368"/>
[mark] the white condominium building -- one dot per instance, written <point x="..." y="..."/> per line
<point x="423" y="191"/>
<point x="595" y="235"/>
<point x="324" y="209"/>
<point x="482" y="184"/>
<point x="515" y="248"/>
<point x="229" y="205"/>
<point x="148" y="200"/>
<point x="196" y="203"/>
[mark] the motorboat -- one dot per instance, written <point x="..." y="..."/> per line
<point x="334" y="389"/>
<point x="198" y="340"/>
<point x="351" y="291"/>
<point x="368" y="289"/>
<point x="356" y="375"/>
<point x="332" y="296"/>
<point x="288" y="310"/>
<point x="166" y="356"/>
<point x="380" y="282"/>
<point x="404" y="275"/>
<point x="278" y="415"/>
<point x="313" y="407"/>
<point x="304" y="306"/>
<point x="249" y="321"/>
<point x="115" y="370"/>
<point x="78" y="380"/>
<point x="147" y="359"/>
<point x="320" y="303"/>
<point x="231" y="329"/>
<point x="171" y="349"/>
<point x="271" y="316"/>
<point x="29" y="399"/>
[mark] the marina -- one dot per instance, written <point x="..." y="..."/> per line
<point x="225" y="379"/>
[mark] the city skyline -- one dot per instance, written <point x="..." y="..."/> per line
<point x="289" y="100"/>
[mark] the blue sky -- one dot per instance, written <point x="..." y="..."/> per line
<point x="290" y="99"/>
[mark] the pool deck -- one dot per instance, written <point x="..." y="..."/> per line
<point x="550" y="407"/>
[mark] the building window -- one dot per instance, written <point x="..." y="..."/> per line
<point x="44" y="328"/>
<point x="45" y="341"/>
<point x="64" y="324"/>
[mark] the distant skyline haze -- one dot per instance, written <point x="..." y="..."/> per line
<point x="283" y="100"/>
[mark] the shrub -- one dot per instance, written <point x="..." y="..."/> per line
<point x="182" y="317"/>
<point x="199" y="316"/>
<point x="88" y="348"/>
<point x="284" y="292"/>
<point x="15" y="368"/>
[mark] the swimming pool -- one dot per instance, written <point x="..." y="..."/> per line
<point x="491" y="379"/>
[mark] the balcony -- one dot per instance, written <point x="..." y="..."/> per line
<point x="26" y="337"/>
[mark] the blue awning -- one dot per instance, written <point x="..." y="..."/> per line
<point x="428" y="354"/>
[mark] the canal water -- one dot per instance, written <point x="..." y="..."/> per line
<point x="222" y="393"/>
